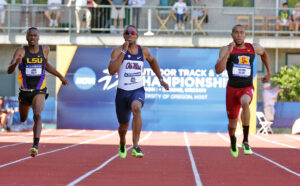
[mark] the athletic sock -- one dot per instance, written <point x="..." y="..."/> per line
<point x="246" y="132"/>
<point x="36" y="142"/>
<point x="122" y="148"/>
<point x="233" y="142"/>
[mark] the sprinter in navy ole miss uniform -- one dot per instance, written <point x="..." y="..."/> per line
<point x="128" y="60"/>
<point x="32" y="61"/>
<point x="237" y="58"/>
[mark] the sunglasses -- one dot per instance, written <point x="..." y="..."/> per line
<point x="127" y="32"/>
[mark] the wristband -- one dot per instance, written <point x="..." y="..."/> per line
<point x="123" y="51"/>
<point x="161" y="80"/>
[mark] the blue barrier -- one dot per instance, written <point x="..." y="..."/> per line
<point x="286" y="113"/>
<point x="195" y="102"/>
<point x="48" y="114"/>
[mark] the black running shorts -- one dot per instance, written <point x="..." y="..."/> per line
<point x="26" y="96"/>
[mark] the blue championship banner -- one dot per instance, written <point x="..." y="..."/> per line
<point x="194" y="103"/>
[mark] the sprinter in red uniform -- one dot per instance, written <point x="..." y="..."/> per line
<point x="237" y="58"/>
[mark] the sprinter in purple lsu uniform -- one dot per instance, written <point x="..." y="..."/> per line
<point x="32" y="62"/>
<point x="128" y="60"/>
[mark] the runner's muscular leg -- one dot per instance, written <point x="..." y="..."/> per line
<point x="136" y="108"/>
<point x="24" y="110"/>
<point x="37" y="107"/>
<point x="232" y="126"/>
<point x="123" y="127"/>
<point x="245" y="102"/>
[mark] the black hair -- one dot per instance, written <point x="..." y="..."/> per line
<point x="128" y="26"/>
<point x="31" y="28"/>
<point x="285" y="4"/>
<point x="238" y="25"/>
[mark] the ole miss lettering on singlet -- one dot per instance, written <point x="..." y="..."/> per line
<point x="32" y="70"/>
<point x="240" y="66"/>
<point x="130" y="72"/>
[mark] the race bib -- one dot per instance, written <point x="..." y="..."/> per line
<point x="33" y="70"/>
<point x="240" y="70"/>
<point x="132" y="79"/>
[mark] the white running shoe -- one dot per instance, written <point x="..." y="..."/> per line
<point x="55" y="23"/>
<point x="51" y="22"/>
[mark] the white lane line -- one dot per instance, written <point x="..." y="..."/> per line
<point x="8" y="137"/>
<point x="60" y="149"/>
<point x="275" y="163"/>
<point x="265" y="158"/>
<point x="291" y="136"/>
<point x="275" y="142"/>
<point x="25" y="134"/>
<point x="201" y="133"/>
<point x="194" y="167"/>
<point x="43" y="139"/>
<point x="103" y="164"/>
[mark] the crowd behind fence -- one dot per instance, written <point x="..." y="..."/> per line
<point x="157" y="20"/>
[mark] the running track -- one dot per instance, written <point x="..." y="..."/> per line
<point x="86" y="157"/>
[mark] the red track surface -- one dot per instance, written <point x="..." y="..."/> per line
<point x="62" y="160"/>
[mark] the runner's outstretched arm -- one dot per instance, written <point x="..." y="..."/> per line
<point x="223" y="57"/>
<point x="117" y="56"/>
<point x="265" y="59"/>
<point x="17" y="59"/>
<point x="155" y="67"/>
<point x="54" y="72"/>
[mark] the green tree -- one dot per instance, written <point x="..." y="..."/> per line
<point x="238" y="3"/>
<point x="288" y="78"/>
<point x="292" y="3"/>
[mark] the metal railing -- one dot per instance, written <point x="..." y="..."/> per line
<point x="152" y="20"/>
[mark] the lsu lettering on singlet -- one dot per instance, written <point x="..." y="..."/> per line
<point x="130" y="72"/>
<point x="32" y="70"/>
<point x="240" y="66"/>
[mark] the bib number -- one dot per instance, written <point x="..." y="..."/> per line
<point x="240" y="70"/>
<point x="33" y="70"/>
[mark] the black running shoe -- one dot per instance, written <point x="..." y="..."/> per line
<point x="246" y="148"/>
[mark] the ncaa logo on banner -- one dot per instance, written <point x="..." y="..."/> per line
<point x="84" y="78"/>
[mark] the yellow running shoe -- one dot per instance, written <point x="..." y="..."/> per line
<point x="122" y="151"/>
<point x="34" y="152"/>
<point x="137" y="152"/>
<point x="247" y="148"/>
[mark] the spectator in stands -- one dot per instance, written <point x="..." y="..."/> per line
<point x="6" y="113"/>
<point x="179" y="9"/>
<point x="104" y="14"/>
<point x="296" y="17"/>
<point x="284" y="19"/>
<point x="137" y="4"/>
<point x="3" y="6"/>
<point x="3" y="114"/>
<point x="197" y="13"/>
<point x="81" y="7"/>
<point x="28" y="14"/>
<point x="269" y="99"/>
<point x="118" y="11"/>
<point x="53" y="8"/>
